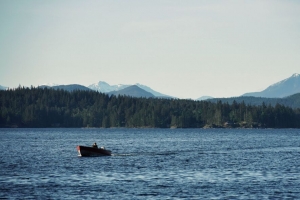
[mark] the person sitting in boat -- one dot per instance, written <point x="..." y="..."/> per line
<point x="95" y="145"/>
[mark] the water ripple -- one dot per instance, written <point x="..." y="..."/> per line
<point x="158" y="164"/>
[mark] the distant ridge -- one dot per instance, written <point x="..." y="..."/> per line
<point x="133" y="91"/>
<point x="155" y="93"/>
<point x="292" y="101"/>
<point x="280" y="89"/>
<point x="70" y="88"/>
<point x="104" y="87"/>
<point x="3" y="87"/>
<point x="204" y="98"/>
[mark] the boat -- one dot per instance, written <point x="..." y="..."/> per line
<point x="92" y="151"/>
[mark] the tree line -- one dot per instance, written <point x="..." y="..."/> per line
<point x="292" y="101"/>
<point x="44" y="107"/>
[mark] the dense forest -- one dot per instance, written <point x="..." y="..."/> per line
<point x="44" y="107"/>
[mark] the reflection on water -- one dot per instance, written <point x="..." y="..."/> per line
<point x="151" y="163"/>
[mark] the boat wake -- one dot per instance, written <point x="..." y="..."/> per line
<point x="147" y="154"/>
<point x="122" y="154"/>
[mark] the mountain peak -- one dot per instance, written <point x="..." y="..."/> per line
<point x="295" y="75"/>
<point x="133" y="91"/>
<point x="280" y="89"/>
<point x="104" y="87"/>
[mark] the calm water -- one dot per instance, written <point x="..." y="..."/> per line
<point x="151" y="164"/>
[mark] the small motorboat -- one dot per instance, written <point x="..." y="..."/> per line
<point x="92" y="151"/>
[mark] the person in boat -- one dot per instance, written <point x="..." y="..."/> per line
<point x="95" y="145"/>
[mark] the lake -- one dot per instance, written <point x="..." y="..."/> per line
<point x="151" y="164"/>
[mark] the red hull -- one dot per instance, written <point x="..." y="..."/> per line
<point x="90" y="151"/>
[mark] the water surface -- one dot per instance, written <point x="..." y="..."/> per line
<point x="151" y="164"/>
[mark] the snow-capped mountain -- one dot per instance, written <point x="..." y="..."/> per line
<point x="280" y="89"/>
<point x="3" y="87"/>
<point x="104" y="87"/>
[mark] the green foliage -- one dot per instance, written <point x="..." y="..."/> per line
<point x="44" y="107"/>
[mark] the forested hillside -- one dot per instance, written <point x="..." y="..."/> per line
<point x="37" y="107"/>
<point x="292" y="101"/>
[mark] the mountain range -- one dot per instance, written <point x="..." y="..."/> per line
<point x="136" y="90"/>
<point x="280" y="89"/>
<point x="104" y="87"/>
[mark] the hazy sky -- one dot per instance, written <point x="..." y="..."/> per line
<point x="181" y="48"/>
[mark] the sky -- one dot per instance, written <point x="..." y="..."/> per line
<point x="181" y="48"/>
